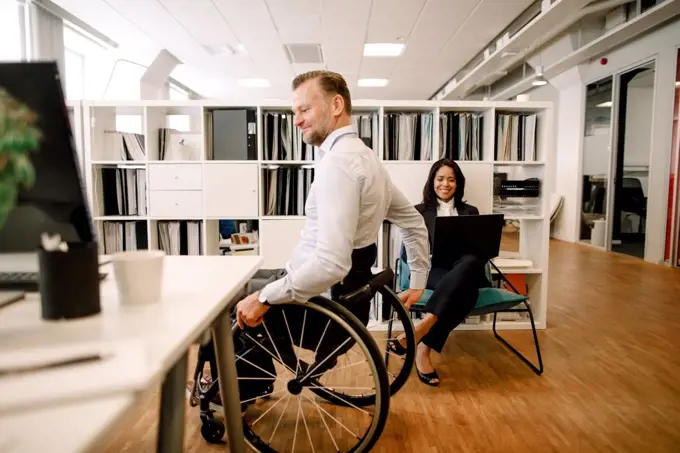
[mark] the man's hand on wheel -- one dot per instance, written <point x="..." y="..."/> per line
<point x="250" y="311"/>
<point x="411" y="296"/>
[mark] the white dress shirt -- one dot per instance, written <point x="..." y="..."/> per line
<point x="352" y="194"/>
<point x="446" y="208"/>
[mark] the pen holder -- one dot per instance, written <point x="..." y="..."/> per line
<point x="69" y="282"/>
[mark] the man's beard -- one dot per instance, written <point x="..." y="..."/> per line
<point x="315" y="138"/>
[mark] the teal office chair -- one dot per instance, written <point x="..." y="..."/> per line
<point x="492" y="300"/>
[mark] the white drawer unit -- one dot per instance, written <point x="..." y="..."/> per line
<point x="175" y="177"/>
<point x="176" y="203"/>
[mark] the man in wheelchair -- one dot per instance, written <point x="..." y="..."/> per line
<point x="350" y="198"/>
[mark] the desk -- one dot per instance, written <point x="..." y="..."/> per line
<point x="197" y="291"/>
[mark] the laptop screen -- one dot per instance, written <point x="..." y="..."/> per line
<point x="56" y="203"/>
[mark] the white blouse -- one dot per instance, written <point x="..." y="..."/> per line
<point x="446" y="209"/>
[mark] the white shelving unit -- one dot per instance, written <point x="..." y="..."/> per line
<point x="190" y="185"/>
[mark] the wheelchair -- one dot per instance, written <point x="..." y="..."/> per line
<point x="287" y="384"/>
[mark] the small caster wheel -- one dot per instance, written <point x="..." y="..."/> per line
<point x="212" y="431"/>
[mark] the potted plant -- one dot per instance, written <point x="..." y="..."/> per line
<point x="19" y="137"/>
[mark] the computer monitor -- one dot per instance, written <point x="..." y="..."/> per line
<point x="56" y="203"/>
<point x="455" y="236"/>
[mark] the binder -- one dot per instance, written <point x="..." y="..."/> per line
<point x="234" y="134"/>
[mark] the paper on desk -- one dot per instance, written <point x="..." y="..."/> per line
<point x="122" y="369"/>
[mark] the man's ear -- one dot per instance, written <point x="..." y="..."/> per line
<point x="338" y="105"/>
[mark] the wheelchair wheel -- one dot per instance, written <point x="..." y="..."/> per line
<point x="303" y="349"/>
<point x="384" y="332"/>
<point x="398" y="367"/>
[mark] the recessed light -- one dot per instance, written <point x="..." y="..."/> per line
<point x="218" y="51"/>
<point x="372" y="82"/>
<point x="254" y="83"/>
<point x="605" y="104"/>
<point x="386" y="49"/>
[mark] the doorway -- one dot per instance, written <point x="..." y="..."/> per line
<point x="631" y="166"/>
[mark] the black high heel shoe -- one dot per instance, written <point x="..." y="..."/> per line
<point x="431" y="379"/>
<point x="394" y="346"/>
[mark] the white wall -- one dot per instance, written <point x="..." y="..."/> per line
<point x="548" y="93"/>
<point x="661" y="46"/>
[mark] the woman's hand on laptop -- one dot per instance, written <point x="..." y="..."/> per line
<point x="411" y="296"/>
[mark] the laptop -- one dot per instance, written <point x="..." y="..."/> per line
<point x="455" y="236"/>
<point x="56" y="203"/>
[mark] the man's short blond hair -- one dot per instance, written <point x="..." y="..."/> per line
<point x="330" y="82"/>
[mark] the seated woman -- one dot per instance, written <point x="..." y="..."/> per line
<point x="455" y="290"/>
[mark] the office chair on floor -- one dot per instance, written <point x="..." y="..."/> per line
<point x="490" y="301"/>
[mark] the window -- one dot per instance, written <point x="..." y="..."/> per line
<point x="125" y="80"/>
<point x="93" y="66"/>
<point x="75" y="74"/>
<point x="10" y="31"/>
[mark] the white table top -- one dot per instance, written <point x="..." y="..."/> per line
<point x="65" y="428"/>
<point x="196" y="289"/>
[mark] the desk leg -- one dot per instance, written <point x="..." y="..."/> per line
<point x="226" y="365"/>
<point x="173" y="400"/>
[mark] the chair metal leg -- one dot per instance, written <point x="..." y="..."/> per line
<point x="538" y="370"/>
<point x="390" y="324"/>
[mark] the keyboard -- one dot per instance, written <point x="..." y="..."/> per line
<point x="25" y="281"/>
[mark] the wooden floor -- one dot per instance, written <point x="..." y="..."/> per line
<point x="612" y="379"/>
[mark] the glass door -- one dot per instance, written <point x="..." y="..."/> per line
<point x="596" y="163"/>
<point x="633" y="140"/>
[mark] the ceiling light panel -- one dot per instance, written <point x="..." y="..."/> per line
<point x="372" y="82"/>
<point x="254" y="83"/>
<point x="383" y="49"/>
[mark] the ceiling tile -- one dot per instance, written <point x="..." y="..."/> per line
<point x="487" y="21"/>
<point x="106" y="19"/>
<point x="343" y="28"/>
<point x="299" y="68"/>
<point x="391" y="19"/>
<point x="262" y="42"/>
<point x="377" y="67"/>
<point x="203" y="21"/>
<point x="296" y="6"/>
<point x="161" y="26"/>
<point x="297" y="21"/>
<point x="439" y="20"/>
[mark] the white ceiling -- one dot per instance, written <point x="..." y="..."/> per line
<point x="441" y="36"/>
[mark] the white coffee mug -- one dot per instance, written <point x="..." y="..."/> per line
<point x="139" y="276"/>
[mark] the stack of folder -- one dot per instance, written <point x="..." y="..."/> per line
<point x="283" y="140"/>
<point x="122" y="236"/>
<point x="516" y="137"/>
<point x="120" y="191"/>
<point x="123" y="146"/>
<point x="366" y="124"/>
<point x="286" y="189"/>
<point x="408" y="136"/>
<point x="180" y="237"/>
<point x="461" y="136"/>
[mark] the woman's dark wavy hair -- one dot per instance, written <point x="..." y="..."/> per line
<point x="430" y="197"/>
